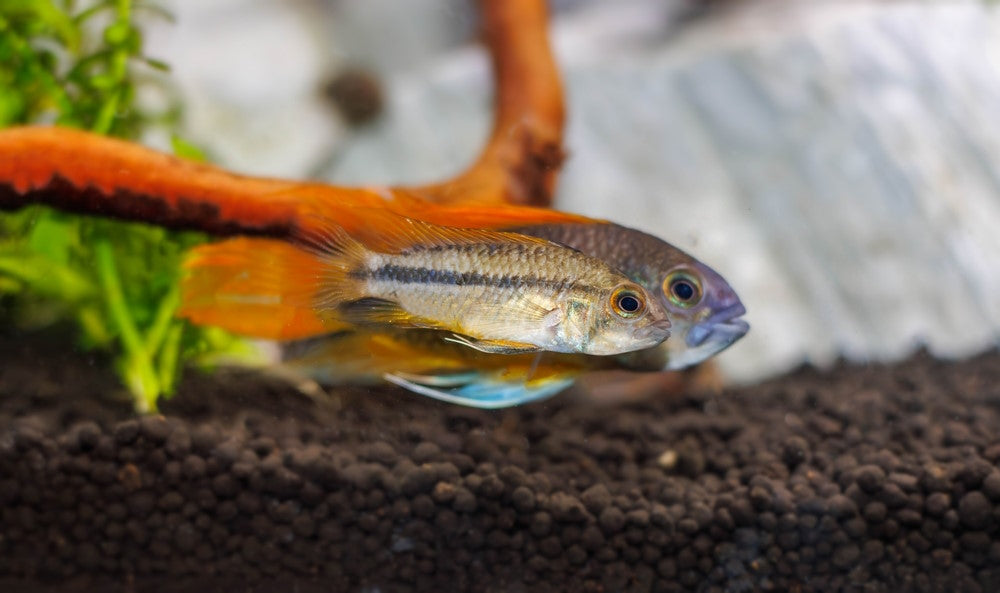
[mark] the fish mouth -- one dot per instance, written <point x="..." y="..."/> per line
<point x="722" y="328"/>
<point x="658" y="330"/>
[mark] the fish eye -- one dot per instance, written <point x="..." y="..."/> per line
<point x="627" y="302"/>
<point x="683" y="289"/>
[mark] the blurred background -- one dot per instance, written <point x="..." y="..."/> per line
<point x="838" y="163"/>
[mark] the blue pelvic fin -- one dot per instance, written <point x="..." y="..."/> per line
<point x="448" y="380"/>
<point x="486" y="393"/>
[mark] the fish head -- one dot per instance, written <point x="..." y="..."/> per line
<point x="626" y="318"/>
<point x="705" y="310"/>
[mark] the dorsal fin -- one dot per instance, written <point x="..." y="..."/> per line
<point x="387" y="232"/>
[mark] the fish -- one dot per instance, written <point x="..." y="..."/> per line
<point x="422" y="362"/>
<point x="705" y="312"/>
<point x="496" y="292"/>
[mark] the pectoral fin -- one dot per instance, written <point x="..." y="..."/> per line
<point x="523" y="308"/>
<point x="377" y="311"/>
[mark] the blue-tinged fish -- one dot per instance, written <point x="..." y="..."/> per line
<point x="704" y="310"/>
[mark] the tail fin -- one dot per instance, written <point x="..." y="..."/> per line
<point x="264" y="288"/>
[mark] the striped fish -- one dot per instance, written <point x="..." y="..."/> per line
<point x="496" y="292"/>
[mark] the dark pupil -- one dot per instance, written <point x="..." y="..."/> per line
<point x="683" y="290"/>
<point x="629" y="304"/>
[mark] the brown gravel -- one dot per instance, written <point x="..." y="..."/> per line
<point x="867" y="479"/>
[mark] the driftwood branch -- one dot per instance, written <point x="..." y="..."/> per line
<point x="80" y="172"/>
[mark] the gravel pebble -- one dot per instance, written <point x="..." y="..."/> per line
<point x="974" y="509"/>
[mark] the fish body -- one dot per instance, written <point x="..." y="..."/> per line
<point x="500" y="292"/>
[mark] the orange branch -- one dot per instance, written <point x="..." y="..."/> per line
<point x="522" y="157"/>
<point x="79" y="172"/>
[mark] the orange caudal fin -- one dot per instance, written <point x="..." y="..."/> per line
<point x="255" y="287"/>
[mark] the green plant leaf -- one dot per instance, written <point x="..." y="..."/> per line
<point x="118" y="282"/>
<point x="186" y="150"/>
<point x="46" y="17"/>
<point x="53" y="237"/>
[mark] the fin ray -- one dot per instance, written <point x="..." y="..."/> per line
<point x="493" y="346"/>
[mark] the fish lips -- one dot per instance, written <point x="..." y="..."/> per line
<point x="721" y="328"/>
<point x="658" y="330"/>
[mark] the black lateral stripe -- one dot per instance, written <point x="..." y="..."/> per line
<point x="411" y="275"/>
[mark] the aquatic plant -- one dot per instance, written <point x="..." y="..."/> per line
<point x="81" y="66"/>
